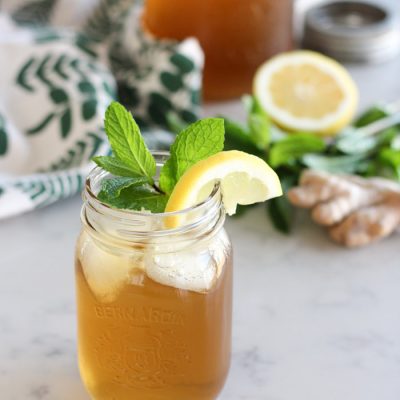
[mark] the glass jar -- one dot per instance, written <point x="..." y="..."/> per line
<point x="154" y="303"/>
<point x="236" y="36"/>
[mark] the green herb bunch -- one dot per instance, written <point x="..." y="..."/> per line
<point x="351" y="152"/>
<point x="133" y="183"/>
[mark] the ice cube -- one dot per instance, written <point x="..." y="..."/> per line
<point x="193" y="267"/>
<point x="106" y="269"/>
<point x="189" y="271"/>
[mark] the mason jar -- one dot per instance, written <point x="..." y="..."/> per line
<point x="154" y="302"/>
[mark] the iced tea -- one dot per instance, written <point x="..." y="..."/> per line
<point x="236" y="36"/>
<point x="154" y="304"/>
<point x="155" y="341"/>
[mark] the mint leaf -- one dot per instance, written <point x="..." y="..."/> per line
<point x="238" y="138"/>
<point x="280" y="210"/>
<point x="114" y="165"/>
<point x="258" y="122"/>
<point x="369" y="116"/>
<point x="348" y="164"/>
<point x="293" y="147"/>
<point x="112" y="187"/>
<point x="259" y="130"/>
<point x="391" y="158"/>
<point x="127" y="142"/>
<point x="198" y="141"/>
<point x="168" y="178"/>
<point x="175" y="123"/>
<point x="136" y="198"/>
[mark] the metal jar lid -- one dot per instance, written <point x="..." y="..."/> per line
<point x="353" y="31"/>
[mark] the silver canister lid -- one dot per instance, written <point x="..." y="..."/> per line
<point x="352" y="31"/>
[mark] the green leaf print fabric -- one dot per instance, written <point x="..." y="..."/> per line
<point x="63" y="62"/>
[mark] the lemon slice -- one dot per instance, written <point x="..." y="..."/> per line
<point x="304" y="90"/>
<point x="244" y="179"/>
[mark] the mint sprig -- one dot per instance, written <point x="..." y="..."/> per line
<point x="289" y="153"/>
<point x="112" y="187"/>
<point x="139" y="198"/>
<point x="198" y="141"/>
<point x="133" y="184"/>
<point x="258" y="122"/>
<point x="115" y="166"/>
<point x="126" y="141"/>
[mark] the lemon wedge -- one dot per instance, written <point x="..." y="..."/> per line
<point x="304" y="90"/>
<point x="243" y="178"/>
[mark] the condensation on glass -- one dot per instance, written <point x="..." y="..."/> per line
<point x="154" y="303"/>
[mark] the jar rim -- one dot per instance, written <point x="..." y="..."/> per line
<point x="127" y="212"/>
<point x="208" y="214"/>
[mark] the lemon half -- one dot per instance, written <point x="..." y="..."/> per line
<point x="304" y="90"/>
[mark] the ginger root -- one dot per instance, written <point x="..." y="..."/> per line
<point x="357" y="211"/>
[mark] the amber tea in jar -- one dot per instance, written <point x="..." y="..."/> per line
<point x="236" y="36"/>
<point x="154" y="303"/>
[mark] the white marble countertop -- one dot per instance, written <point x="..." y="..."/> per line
<point x="312" y="320"/>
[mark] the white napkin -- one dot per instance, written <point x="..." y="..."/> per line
<point x="56" y="84"/>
